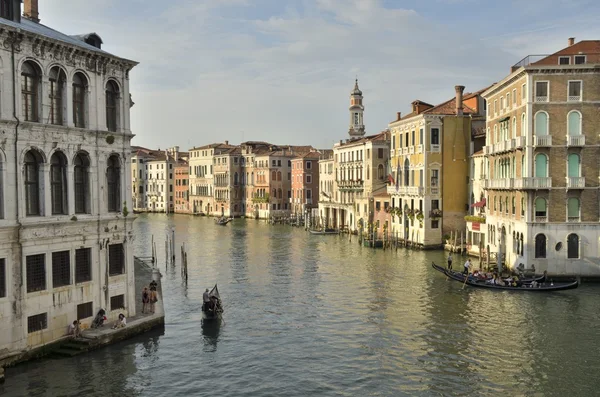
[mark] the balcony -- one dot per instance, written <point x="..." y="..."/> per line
<point x="434" y="191"/>
<point x="419" y="148"/>
<point x="415" y="190"/>
<point x="519" y="142"/>
<point x="542" y="140"/>
<point x="504" y="183"/>
<point x="405" y="150"/>
<point x="350" y="185"/>
<point x="435" y="148"/>
<point x="541" y="219"/>
<point x="573" y="219"/>
<point x="575" y="182"/>
<point x="541" y="98"/>
<point x="575" y="140"/>
<point x="574" y="98"/>
<point x="309" y="201"/>
<point x="487" y="150"/>
<point x="533" y="183"/>
<point x="411" y="150"/>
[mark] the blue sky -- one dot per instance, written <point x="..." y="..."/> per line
<point x="281" y="71"/>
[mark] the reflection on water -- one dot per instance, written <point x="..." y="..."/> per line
<point x="313" y="315"/>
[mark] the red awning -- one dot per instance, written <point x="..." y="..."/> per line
<point x="479" y="204"/>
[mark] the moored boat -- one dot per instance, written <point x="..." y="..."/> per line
<point x="531" y="286"/>
<point x="325" y="231"/>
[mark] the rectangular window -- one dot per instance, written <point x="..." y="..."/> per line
<point x="37" y="322"/>
<point x="508" y="100"/>
<point x="579" y="59"/>
<point x="380" y="153"/>
<point x="435" y="136"/>
<point x="3" y="278"/>
<point x="524" y="92"/>
<point x="308" y="194"/>
<point x="36" y="272"/>
<point x="116" y="259"/>
<point x="514" y="96"/>
<point x="274" y="163"/>
<point x="377" y="206"/>
<point x="117" y="302"/>
<point x="495" y="107"/>
<point x="308" y="178"/>
<point x="85" y="310"/>
<point x="83" y="265"/>
<point x="308" y="165"/>
<point x="61" y="269"/>
<point x="434" y="178"/>
<point x="574" y="91"/>
<point x="435" y="204"/>
<point x="564" y="60"/>
<point x="435" y="224"/>
<point x="541" y="91"/>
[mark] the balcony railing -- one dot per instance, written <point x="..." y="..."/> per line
<point x="541" y="98"/>
<point x="405" y="150"/>
<point x="519" y="142"/>
<point x="435" y="148"/>
<point x="504" y="183"/>
<point x="434" y="190"/>
<point x="419" y="148"/>
<point x="415" y="190"/>
<point x="541" y="218"/>
<point x="575" y="182"/>
<point x="411" y="150"/>
<point x="576" y="140"/>
<point x="487" y="150"/>
<point x="574" y="219"/>
<point x="574" y="98"/>
<point x="533" y="183"/>
<point x="542" y="140"/>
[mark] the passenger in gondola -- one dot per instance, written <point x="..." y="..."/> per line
<point x="206" y="300"/>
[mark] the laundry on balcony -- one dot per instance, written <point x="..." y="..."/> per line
<point x="479" y="204"/>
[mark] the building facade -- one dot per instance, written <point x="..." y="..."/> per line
<point x="304" y="182"/>
<point x="182" y="191"/>
<point x="65" y="186"/>
<point x="542" y="149"/>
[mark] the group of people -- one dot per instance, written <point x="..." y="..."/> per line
<point x="466" y="267"/>
<point x="149" y="297"/>
<point x="97" y="322"/>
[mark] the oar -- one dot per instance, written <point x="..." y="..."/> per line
<point x="466" y="278"/>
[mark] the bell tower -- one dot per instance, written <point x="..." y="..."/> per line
<point x="357" y="126"/>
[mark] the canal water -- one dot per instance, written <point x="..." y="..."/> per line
<point x="321" y="316"/>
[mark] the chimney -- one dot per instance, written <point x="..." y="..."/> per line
<point x="398" y="115"/>
<point x="227" y="142"/>
<point x="571" y="41"/>
<point x="459" y="99"/>
<point x="30" y="10"/>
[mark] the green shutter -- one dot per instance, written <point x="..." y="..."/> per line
<point x="541" y="166"/>
<point x="573" y="165"/>
<point x="573" y="207"/>
<point x="574" y="123"/>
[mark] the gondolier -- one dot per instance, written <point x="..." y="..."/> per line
<point x="467" y="266"/>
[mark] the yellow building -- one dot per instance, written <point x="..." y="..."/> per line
<point x="429" y="167"/>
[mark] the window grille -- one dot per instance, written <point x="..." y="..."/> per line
<point x="61" y="269"/>
<point x="37" y="322"/>
<point x="117" y="302"/>
<point x="83" y="265"/>
<point x="36" y="272"/>
<point x="85" y="310"/>
<point x="116" y="259"/>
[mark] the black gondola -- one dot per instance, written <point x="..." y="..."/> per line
<point x="214" y="308"/>
<point x="532" y="286"/>
<point x="223" y="221"/>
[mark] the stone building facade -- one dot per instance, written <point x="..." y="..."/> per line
<point x="542" y="149"/>
<point x="65" y="185"/>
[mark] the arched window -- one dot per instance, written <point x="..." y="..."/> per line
<point x="522" y="206"/>
<point x="278" y="175"/>
<point x="32" y="183"/>
<point x="495" y="203"/>
<point x="541" y="166"/>
<point x="573" y="169"/>
<point x="523" y="168"/>
<point x="30" y="86"/>
<point x="496" y="133"/>
<point x="79" y="91"/>
<point x="113" y="179"/>
<point x="573" y="209"/>
<point x="274" y="175"/>
<point x="540" y="246"/>
<point x="573" y="246"/>
<point x="523" y="125"/>
<point x="235" y="178"/>
<point x="57" y="87"/>
<point x="514" y="127"/>
<point x="540" y="209"/>
<point x="506" y="205"/>
<point x="574" y="123"/>
<point x="58" y="183"/>
<point x="80" y="182"/>
<point x="112" y="98"/>
<point x="406" y="172"/>
<point x="280" y="193"/>
<point x="541" y="123"/>
<point x="514" y="206"/>
<point x="501" y="201"/>
<point x="380" y="172"/>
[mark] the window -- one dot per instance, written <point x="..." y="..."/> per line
<point x="117" y="302"/>
<point x="514" y="127"/>
<point x="308" y="178"/>
<point x="83" y="265"/>
<point x="572" y="246"/>
<point x="541" y="123"/>
<point x="564" y="60"/>
<point x="514" y="206"/>
<point x="112" y="95"/>
<point x="37" y="322"/>
<point x="380" y="150"/>
<point x="380" y="172"/>
<point x="541" y="165"/>
<point x="523" y="125"/>
<point x="57" y="84"/>
<point x="574" y="91"/>
<point x="308" y="194"/>
<point x="58" y="183"/>
<point x="434" y="177"/>
<point x="377" y="206"/>
<point x="540" y="246"/>
<point x="30" y="83"/>
<point x="435" y="136"/>
<point x="116" y="259"/>
<point x="514" y="96"/>
<point x="32" y="183"/>
<point x="435" y="224"/>
<point x="6" y="10"/>
<point x="61" y="269"/>
<point x="573" y="169"/>
<point x="85" y="310"/>
<point x="308" y="165"/>
<point x="522" y="206"/>
<point x="574" y="123"/>
<point x="541" y="91"/>
<point x="573" y="209"/>
<point x="540" y="209"/>
<point x="36" y="272"/>
<point x="495" y="107"/>
<point x="79" y="90"/>
<point x="113" y="176"/>
<point x="579" y="59"/>
<point x="2" y="278"/>
<point x="524" y="92"/>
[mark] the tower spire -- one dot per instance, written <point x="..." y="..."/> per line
<point x="357" y="127"/>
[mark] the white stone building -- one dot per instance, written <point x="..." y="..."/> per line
<point x="64" y="181"/>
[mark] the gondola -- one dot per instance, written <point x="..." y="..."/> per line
<point x="223" y="221"/>
<point x="525" y="286"/>
<point x="539" y="279"/>
<point x="215" y="309"/>
<point x="324" y="232"/>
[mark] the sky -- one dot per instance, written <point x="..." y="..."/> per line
<point x="282" y="70"/>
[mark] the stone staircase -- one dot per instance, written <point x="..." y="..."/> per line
<point x="71" y="347"/>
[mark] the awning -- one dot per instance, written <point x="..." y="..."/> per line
<point x="479" y="204"/>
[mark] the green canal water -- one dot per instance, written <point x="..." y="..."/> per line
<point x="321" y="316"/>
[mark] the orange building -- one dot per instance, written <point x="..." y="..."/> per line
<point x="182" y="203"/>
<point x="305" y="182"/>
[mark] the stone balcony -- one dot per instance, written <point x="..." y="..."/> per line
<point x="533" y="183"/>
<point x="575" y="182"/>
<point x="542" y="140"/>
<point x="575" y="140"/>
<point x="347" y="185"/>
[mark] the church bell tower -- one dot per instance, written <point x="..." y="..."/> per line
<point x="357" y="126"/>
